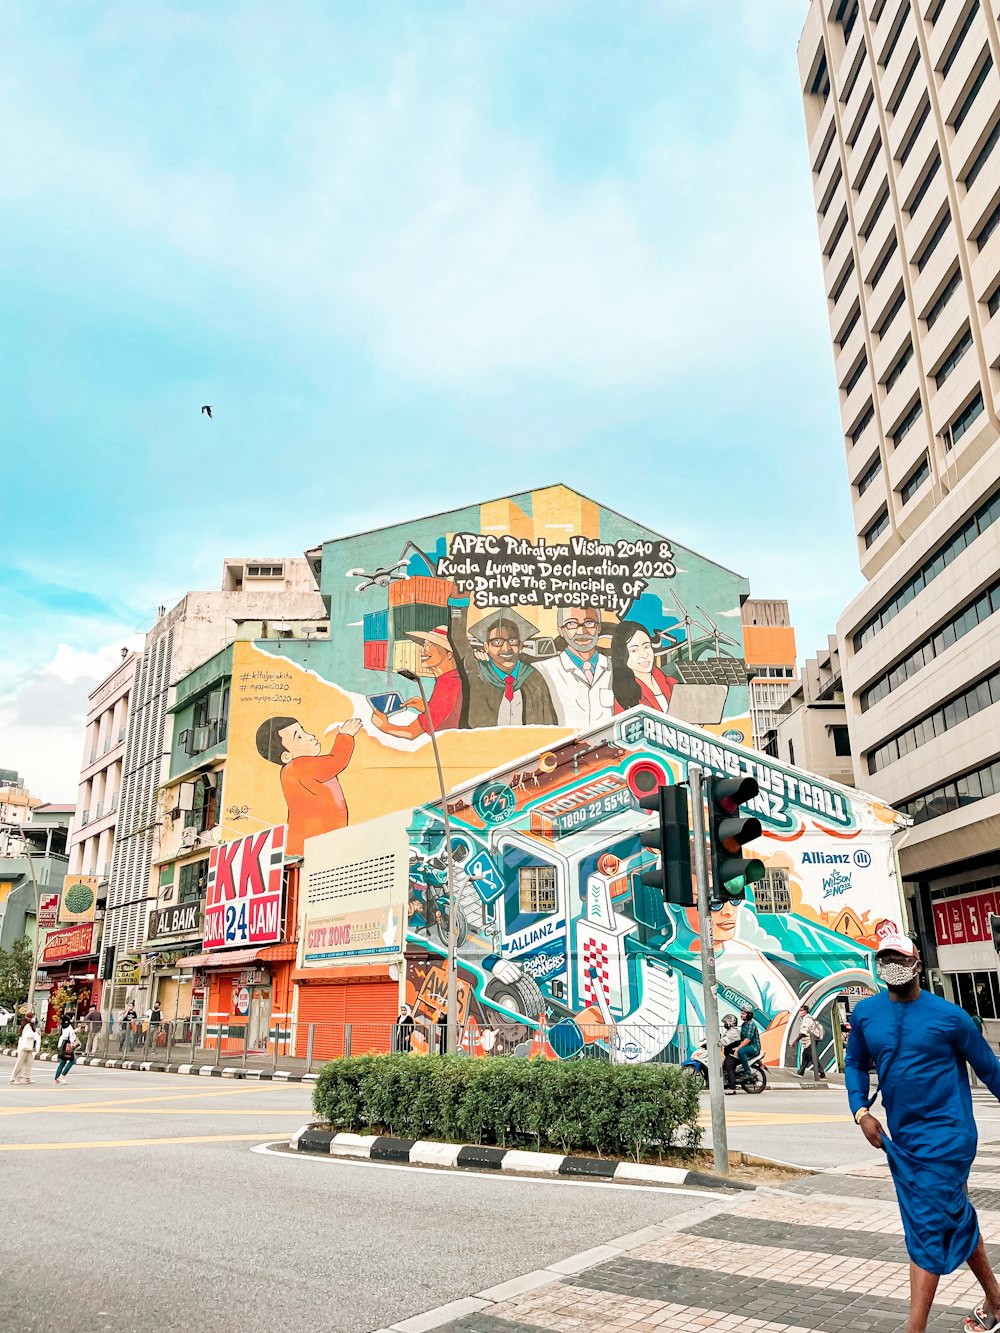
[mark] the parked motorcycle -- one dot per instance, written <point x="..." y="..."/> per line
<point x="696" y="1068"/>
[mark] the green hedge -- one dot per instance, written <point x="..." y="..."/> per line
<point x="572" y="1106"/>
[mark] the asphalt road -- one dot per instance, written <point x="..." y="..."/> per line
<point x="132" y="1202"/>
<point x="814" y="1128"/>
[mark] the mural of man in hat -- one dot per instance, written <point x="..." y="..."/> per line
<point x="500" y="689"/>
<point x="444" y="707"/>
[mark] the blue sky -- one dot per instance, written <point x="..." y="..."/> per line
<point x="414" y="254"/>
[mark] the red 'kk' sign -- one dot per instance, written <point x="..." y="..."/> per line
<point x="243" y="894"/>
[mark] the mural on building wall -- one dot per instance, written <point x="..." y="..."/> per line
<point x="561" y="943"/>
<point x="525" y="619"/>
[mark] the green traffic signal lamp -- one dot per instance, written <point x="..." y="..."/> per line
<point x="671" y="838"/>
<point x="728" y="833"/>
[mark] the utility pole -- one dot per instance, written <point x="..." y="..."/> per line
<point x="452" y="992"/>
<point x="716" y="1093"/>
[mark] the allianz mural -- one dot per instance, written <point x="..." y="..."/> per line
<point x="561" y="945"/>
<point x="527" y="619"/>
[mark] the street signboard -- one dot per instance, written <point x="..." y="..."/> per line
<point x="243" y="897"/>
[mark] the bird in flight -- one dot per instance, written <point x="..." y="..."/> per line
<point x="206" y="410"/>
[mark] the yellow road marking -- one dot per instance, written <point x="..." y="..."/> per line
<point x="241" y="1091"/>
<point x="198" y="1111"/>
<point x="63" y="1145"/>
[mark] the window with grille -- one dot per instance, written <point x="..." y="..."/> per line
<point x="773" y="893"/>
<point x="193" y="878"/>
<point x="537" y="888"/>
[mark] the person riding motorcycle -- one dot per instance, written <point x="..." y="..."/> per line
<point x="749" y="1047"/>
<point x="730" y="1063"/>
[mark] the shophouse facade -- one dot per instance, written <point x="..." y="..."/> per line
<point x="201" y="625"/>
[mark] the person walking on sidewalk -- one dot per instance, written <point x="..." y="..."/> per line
<point x="810" y="1030"/>
<point x="66" y="1049"/>
<point x="921" y="1046"/>
<point x="94" y="1025"/>
<point x="29" y="1043"/>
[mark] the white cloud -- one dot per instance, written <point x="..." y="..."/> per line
<point x="42" y="718"/>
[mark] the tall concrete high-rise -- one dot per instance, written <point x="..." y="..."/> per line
<point x="902" y="109"/>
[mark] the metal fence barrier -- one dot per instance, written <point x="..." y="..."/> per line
<point x="303" y="1047"/>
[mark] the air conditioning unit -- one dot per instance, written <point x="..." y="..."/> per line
<point x="211" y="835"/>
<point x="189" y="837"/>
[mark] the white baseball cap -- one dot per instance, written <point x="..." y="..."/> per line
<point x="897" y="944"/>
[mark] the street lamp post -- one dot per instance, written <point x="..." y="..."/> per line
<point x="452" y="1001"/>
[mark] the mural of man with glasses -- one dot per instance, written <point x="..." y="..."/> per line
<point x="579" y="678"/>
<point x="500" y="689"/>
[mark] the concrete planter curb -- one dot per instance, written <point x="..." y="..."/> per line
<point x="197" y="1071"/>
<point x="313" y="1138"/>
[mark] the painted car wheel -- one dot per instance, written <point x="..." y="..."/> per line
<point x="522" y="995"/>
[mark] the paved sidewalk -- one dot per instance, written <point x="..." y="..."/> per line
<point x="823" y="1255"/>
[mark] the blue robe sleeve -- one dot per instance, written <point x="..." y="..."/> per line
<point x="974" y="1047"/>
<point x="857" y="1069"/>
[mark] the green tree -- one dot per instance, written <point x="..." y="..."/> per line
<point x="15" y="973"/>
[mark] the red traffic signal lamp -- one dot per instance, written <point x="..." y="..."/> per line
<point x="729" y="830"/>
<point x="671" y="837"/>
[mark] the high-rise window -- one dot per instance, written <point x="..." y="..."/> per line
<point x="905" y="357"/>
<point x="953" y="358"/>
<point x="959" y="38"/>
<point x="947" y="292"/>
<point x="872" y="533"/>
<point x="907" y="423"/>
<point x="983" y="156"/>
<point x="963" y="421"/>
<point x="933" y="241"/>
<point x="966" y="104"/>
<point x="870" y="473"/>
<point x="914" y="481"/>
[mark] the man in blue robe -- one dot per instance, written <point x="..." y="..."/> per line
<point x="920" y="1046"/>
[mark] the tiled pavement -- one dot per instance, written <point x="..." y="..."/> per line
<point x="824" y="1255"/>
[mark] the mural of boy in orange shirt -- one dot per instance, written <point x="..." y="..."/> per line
<point x="309" y="779"/>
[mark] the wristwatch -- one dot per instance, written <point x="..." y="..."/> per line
<point x="860" y="1115"/>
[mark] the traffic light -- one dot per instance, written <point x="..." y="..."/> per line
<point x="672" y="839"/>
<point x="728" y="832"/>
<point x="995" y="931"/>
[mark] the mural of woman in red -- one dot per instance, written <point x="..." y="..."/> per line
<point x="635" y="677"/>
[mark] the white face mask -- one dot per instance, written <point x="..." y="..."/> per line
<point x="896" y="974"/>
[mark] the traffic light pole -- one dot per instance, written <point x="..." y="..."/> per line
<point x="716" y="1093"/>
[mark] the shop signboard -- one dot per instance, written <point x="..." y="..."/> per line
<point x="178" y="919"/>
<point x="127" y="972"/>
<point x="962" y="931"/>
<point x="79" y="898"/>
<point x="48" y="911"/>
<point x="73" y="942"/>
<point x="374" y="930"/>
<point x="243" y="896"/>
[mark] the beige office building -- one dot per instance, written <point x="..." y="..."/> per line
<point x="902" y="109"/>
